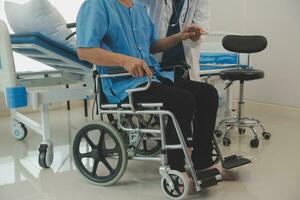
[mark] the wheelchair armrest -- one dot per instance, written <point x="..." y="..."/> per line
<point x="114" y="72"/>
<point x="132" y="104"/>
<point x="170" y="66"/>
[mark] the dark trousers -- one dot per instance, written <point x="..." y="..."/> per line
<point x="195" y="106"/>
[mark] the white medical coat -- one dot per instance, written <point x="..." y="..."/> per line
<point x="197" y="13"/>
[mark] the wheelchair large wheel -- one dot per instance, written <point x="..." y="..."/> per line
<point x="99" y="153"/>
<point x="150" y="146"/>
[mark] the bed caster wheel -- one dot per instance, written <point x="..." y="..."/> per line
<point x="226" y="142"/>
<point x="266" y="135"/>
<point x="218" y="133"/>
<point x="18" y="130"/>
<point x="99" y="153"/>
<point x="242" y="131"/>
<point x="176" y="187"/>
<point x="254" y="143"/>
<point x="46" y="155"/>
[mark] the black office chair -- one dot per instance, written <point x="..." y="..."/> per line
<point x="246" y="45"/>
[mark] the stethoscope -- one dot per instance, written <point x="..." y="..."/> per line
<point x="177" y="15"/>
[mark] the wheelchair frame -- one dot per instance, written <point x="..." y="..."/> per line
<point x="200" y="180"/>
<point x="120" y="110"/>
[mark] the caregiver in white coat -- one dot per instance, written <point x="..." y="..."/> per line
<point x="192" y="12"/>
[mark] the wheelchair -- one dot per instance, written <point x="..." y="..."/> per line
<point x="136" y="131"/>
<point x="102" y="149"/>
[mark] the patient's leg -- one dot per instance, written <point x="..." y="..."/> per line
<point x="226" y="174"/>
<point x="182" y="104"/>
<point x="204" y="120"/>
<point x="204" y="125"/>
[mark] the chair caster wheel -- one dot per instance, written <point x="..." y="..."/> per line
<point x="226" y="142"/>
<point x="18" y="130"/>
<point x="178" y="188"/>
<point x="218" y="133"/>
<point x="254" y="143"/>
<point x="242" y="131"/>
<point x="46" y="155"/>
<point x="266" y="135"/>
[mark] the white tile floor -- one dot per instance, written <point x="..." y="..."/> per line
<point x="274" y="173"/>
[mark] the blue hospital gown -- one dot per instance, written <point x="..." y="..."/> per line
<point x="110" y="25"/>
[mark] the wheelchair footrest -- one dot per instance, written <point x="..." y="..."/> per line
<point x="234" y="161"/>
<point x="208" y="178"/>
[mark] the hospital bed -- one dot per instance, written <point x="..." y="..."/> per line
<point x="33" y="89"/>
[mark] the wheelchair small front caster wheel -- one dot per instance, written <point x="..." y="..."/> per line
<point x="226" y="142"/>
<point x="215" y="154"/>
<point x="18" y="130"/>
<point x="46" y="155"/>
<point x="242" y="131"/>
<point x="178" y="188"/>
<point x="218" y="133"/>
<point x="266" y="135"/>
<point x="254" y="143"/>
<point x="99" y="153"/>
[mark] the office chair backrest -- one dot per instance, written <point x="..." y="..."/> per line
<point x="244" y="44"/>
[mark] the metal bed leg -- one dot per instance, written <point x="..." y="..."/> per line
<point x="45" y="122"/>
<point x="46" y="147"/>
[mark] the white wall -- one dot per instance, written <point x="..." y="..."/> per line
<point x="279" y="21"/>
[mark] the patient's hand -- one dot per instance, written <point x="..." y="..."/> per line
<point x="136" y="67"/>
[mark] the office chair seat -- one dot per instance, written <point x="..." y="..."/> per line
<point x="242" y="74"/>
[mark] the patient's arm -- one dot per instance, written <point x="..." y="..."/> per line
<point x="165" y="43"/>
<point x="98" y="56"/>
<point x="190" y="32"/>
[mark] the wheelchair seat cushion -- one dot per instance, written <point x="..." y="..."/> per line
<point x="242" y="74"/>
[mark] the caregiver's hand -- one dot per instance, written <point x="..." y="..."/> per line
<point x="198" y="32"/>
<point x="192" y="32"/>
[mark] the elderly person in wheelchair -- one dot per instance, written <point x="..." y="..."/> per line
<point x="119" y="33"/>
